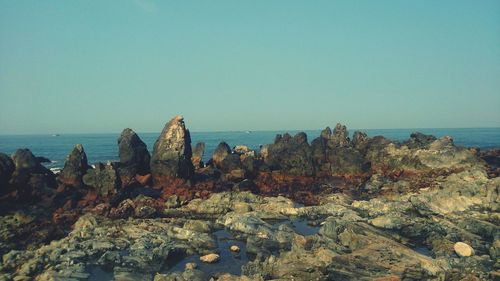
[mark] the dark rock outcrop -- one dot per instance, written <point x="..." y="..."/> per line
<point x="230" y="162"/>
<point x="492" y="157"/>
<point x="133" y="152"/>
<point x="103" y="178"/>
<point x="24" y="159"/>
<point x="291" y="155"/>
<point x="134" y="156"/>
<point x="339" y="137"/>
<point x="346" y="160"/>
<point x="318" y="148"/>
<point x="42" y="159"/>
<point x="30" y="178"/>
<point x="251" y="165"/>
<point x="419" y="140"/>
<point x="198" y="152"/>
<point x="220" y="153"/>
<point x="172" y="153"/>
<point x="232" y="168"/>
<point x="75" y="167"/>
<point x="360" y="140"/>
<point x="7" y="167"/>
<point x="333" y="153"/>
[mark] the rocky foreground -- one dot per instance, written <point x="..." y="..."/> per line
<point x="333" y="209"/>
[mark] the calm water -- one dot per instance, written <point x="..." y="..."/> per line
<point x="103" y="147"/>
<point x="229" y="261"/>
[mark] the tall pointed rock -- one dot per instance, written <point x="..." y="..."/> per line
<point x="172" y="153"/>
<point x="134" y="156"/>
<point x="75" y="167"/>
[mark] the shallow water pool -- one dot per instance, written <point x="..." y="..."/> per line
<point x="229" y="261"/>
<point x="300" y="225"/>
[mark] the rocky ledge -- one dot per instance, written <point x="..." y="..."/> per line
<point x="333" y="209"/>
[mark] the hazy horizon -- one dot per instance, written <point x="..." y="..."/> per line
<point x="101" y="66"/>
<point x="350" y="130"/>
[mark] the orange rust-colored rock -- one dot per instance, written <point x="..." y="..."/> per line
<point x="143" y="179"/>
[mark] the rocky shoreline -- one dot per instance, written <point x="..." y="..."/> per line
<point x="333" y="208"/>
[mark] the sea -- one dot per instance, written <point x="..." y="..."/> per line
<point x="103" y="147"/>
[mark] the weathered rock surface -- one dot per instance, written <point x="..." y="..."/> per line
<point x="7" y="167"/>
<point x="338" y="138"/>
<point x="419" y="140"/>
<point x="138" y="247"/>
<point x="376" y="209"/>
<point x="30" y="178"/>
<point x="360" y="140"/>
<point x="198" y="152"/>
<point x="134" y="156"/>
<point x="220" y="153"/>
<point x="357" y="240"/>
<point x="492" y="158"/>
<point x="244" y="151"/>
<point x="388" y="157"/>
<point x="172" y="153"/>
<point x="103" y="178"/>
<point x="334" y="154"/>
<point x="291" y="155"/>
<point x="75" y="167"/>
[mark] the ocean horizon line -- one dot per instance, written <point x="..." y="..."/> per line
<point x="251" y="131"/>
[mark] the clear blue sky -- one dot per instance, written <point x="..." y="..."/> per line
<point x="101" y="66"/>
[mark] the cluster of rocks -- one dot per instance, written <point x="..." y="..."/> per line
<point x="447" y="232"/>
<point x="289" y="161"/>
<point x="420" y="209"/>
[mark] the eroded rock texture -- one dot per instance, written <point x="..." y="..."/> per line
<point x="75" y="167"/>
<point x="103" y="178"/>
<point x="172" y="153"/>
<point x="7" y="167"/>
<point x="198" y="152"/>
<point x="134" y="156"/>
<point x="375" y="209"/>
<point x="220" y="153"/>
<point x="30" y="179"/>
<point x="334" y="153"/>
<point x="291" y="155"/>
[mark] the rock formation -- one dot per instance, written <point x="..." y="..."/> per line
<point x="291" y="155"/>
<point x="75" y="167"/>
<point x="134" y="156"/>
<point x="198" y="152"/>
<point x="333" y="153"/>
<point x="172" y="153"/>
<point x="25" y="160"/>
<point x="7" y="167"/>
<point x="339" y="137"/>
<point x="103" y="178"/>
<point x="220" y="153"/>
<point x="360" y="140"/>
<point x="244" y="151"/>
<point x="366" y="209"/>
<point x="30" y="178"/>
<point x="419" y="140"/>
